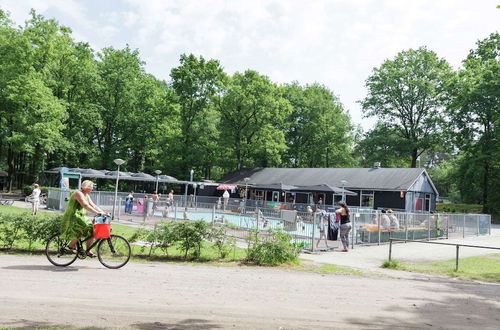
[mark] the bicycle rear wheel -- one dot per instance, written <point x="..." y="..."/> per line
<point x="114" y="252"/>
<point x="57" y="251"/>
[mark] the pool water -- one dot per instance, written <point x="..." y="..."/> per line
<point x="249" y="222"/>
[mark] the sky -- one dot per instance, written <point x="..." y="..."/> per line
<point x="335" y="43"/>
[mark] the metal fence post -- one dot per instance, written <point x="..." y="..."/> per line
<point x="489" y="225"/>
<point x="456" y="261"/>
<point x="477" y="219"/>
<point x="213" y="215"/>
<point x="378" y="223"/>
<point x="406" y="226"/>
<point x="447" y="227"/>
<point x="313" y="231"/>
<point x="428" y="227"/>
<point x="390" y="249"/>
<point x="463" y="229"/>
<point x="175" y="210"/>
<point x="257" y="218"/>
<point x="353" y="222"/>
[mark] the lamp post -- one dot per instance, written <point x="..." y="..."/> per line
<point x="195" y="185"/>
<point x="158" y="172"/>
<point x="118" y="162"/>
<point x="343" y="182"/>
<point x="186" y="190"/>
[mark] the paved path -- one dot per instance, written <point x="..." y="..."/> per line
<point x="371" y="257"/>
<point x="34" y="293"/>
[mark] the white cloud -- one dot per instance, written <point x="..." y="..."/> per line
<point x="336" y="43"/>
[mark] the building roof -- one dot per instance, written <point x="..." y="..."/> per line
<point x="357" y="178"/>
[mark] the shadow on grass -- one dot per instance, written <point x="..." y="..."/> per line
<point x="184" y="324"/>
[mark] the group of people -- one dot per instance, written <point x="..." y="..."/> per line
<point x="148" y="204"/>
<point x="388" y="220"/>
<point x="337" y="223"/>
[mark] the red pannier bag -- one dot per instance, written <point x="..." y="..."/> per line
<point x="102" y="230"/>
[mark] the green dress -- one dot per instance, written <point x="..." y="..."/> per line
<point x="74" y="223"/>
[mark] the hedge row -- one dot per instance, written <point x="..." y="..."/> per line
<point x="26" y="227"/>
<point x="458" y="208"/>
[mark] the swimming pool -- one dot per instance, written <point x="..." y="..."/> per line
<point x="299" y="228"/>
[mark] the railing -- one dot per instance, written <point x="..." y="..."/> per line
<point x="368" y="226"/>
<point x="440" y="243"/>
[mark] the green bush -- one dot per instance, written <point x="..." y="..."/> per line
<point x="223" y="243"/>
<point x="392" y="264"/>
<point x="190" y="236"/>
<point x="162" y="236"/>
<point x="275" y="249"/>
<point x="458" y="208"/>
<point x="10" y="229"/>
<point x="24" y="226"/>
<point x="27" y="190"/>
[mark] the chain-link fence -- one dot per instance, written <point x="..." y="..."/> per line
<point x="305" y="226"/>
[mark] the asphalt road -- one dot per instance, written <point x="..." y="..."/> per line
<point x="34" y="293"/>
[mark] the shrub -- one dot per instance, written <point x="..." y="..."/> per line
<point x="190" y="236"/>
<point x="223" y="243"/>
<point x="163" y="236"/>
<point x="10" y="229"/>
<point x="28" y="227"/>
<point x="392" y="264"/>
<point x="275" y="249"/>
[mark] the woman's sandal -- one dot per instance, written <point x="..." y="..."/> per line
<point x="71" y="250"/>
<point x="90" y="254"/>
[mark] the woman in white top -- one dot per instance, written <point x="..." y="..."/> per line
<point x="35" y="198"/>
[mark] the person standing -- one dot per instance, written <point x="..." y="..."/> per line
<point x="35" y="198"/>
<point x="140" y="204"/>
<point x="345" y="225"/>
<point x="225" y="195"/>
<point x="323" y="217"/>
<point x="129" y="202"/>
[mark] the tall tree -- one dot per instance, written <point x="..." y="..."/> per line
<point x="196" y="82"/>
<point x="253" y="112"/>
<point x="475" y="118"/>
<point x="319" y="132"/>
<point x="119" y="72"/>
<point x="407" y="94"/>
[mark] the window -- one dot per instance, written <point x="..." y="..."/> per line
<point x="259" y="195"/>
<point x="427" y="202"/>
<point x="366" y="198"/>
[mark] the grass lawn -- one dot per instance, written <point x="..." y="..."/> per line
<point x="13" y="210"/>
<point x="484" y="268"/>
<point x="209" y="253"/>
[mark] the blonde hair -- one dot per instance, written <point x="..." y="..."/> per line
<point x="87" y="184"/>
<point x="36" y="186"/>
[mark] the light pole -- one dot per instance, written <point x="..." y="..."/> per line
<point x="195" y="185"/>
<point x="158" y="172"/>
<point x="343" y="182"/>
<point x="186" y="190"/>
<point x="118" y="162"/>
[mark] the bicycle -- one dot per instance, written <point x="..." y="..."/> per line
<point x="113" y="251"/>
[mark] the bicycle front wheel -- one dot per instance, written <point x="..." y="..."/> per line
<point x="114" y="252"/>
<point x="57" y="251"/>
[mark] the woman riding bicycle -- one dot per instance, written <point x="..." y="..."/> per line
<point x="74" y="224"/>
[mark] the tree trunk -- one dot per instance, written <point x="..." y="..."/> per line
<point x="486" y="179"/>
<point x="414" y="156"/>
<point x="10" y="163"/>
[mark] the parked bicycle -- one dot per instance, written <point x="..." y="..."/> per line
<point x="113" y="251"/>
